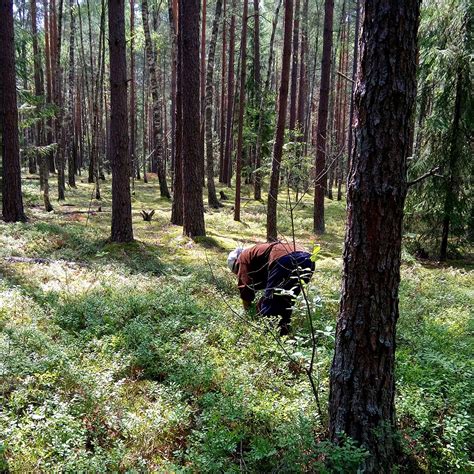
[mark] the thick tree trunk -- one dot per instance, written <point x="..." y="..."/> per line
<point x="211" y="188"/>
<point x="362" y="384"/>
<point x="193" y="207"/>
<point x="119" y="148"/>
<point x="272" y="231"/>
<point x="173" y="18"/>
<point x="227" y="173"/>
<point x="240" y="129"/>
<point x="12" y="201"/>
<point x="321" y="134"/>
<point x="157" y="119"/>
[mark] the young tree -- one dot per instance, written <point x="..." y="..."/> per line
<point x="321" y="134"/>
<point x="211" y="189"/>
<point x="362" y="380"/>
<point x="193" y="206"/>
<point x="272" y="232"/>
<point x="12" y="201"/>
<point x="119" y="146"/>
<point x="240" y="128"/>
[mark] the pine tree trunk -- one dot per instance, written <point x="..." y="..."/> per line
<point x="454" y="154"/>
<point x="240" y="129"/>
<point x="12" y="201"/>
<point x="193" y="207"/>
<point x="119" y="147"/>
<point x="157" y="120"/>
<point x="177" y="210"/>
<point x="230" y="100"/>
<point x="223" y="97"/>
<point x="272" y="231"/>
<point x="266" y="89"/>
<point x="321" y="134"/>
<point x="294" y="66"/>
<point x="133" y="110"/>
<point x="362" y="383"/>
<point x="211" y="189"/>
<point x="71" y="101"/>
<point x="355" y="56"/>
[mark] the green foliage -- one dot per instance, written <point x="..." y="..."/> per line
<point x="444" y="74"/>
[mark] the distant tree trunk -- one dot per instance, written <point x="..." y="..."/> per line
<point x="119" y="147"/>
<point x="223" y="98"/>
<point x="173" y="18"/>
<point x="321" y="136"/>
<point x="240" y="129"/>
<point x="362" y="383"/>
<point x="272" y="231"/>
<point x="12" y="201"/>
<point x="133" y="124"/>
<point x="193" y="207"/>
<point x="211" y="189"/>
<point x="72" y="145"/>
<point x="39" y="92"/>
<point x="157" y="120"/>
<point x="355" y="56"/>
<point x="58" y="97"/>
<point x="294" y="67"/>
<point x="47" y="58"/>
<point x="454" y="153"/>
<point x="230" y="100"/>
<point x="266" y="88"/>
<point x="177" y="210"/>
<point x="302" y="93"/>
<point x="203" y="81"/>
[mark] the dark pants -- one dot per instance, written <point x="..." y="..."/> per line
<point x="284" y="285"/>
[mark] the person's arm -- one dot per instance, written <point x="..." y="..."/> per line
<point x="245" y="285"/>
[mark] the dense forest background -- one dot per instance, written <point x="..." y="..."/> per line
<point x="142" y="141"/>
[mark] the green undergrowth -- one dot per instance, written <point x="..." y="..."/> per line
<point x="138" y="357"/>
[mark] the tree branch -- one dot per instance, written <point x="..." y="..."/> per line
<point x="431" y="172"/>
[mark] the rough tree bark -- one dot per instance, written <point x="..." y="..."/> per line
<point x="362" y="384"/>
<point x="321" y="134"/>
<point x="157" y="122"/>
<point x="12" y="201"/>
<point x="119" y="148"/>
<point x="211" y="188"/>
<point x="240" y="128"/>
<point x="272" y="232"/>
<point x="193" y="206"/>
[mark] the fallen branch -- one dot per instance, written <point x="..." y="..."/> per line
<point x="41" y="261"/>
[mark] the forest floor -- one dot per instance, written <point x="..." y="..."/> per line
<point x="139" y="358"/>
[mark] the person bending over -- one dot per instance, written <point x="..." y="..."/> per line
<point x="278" y="268"/>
